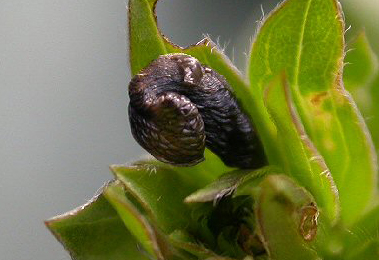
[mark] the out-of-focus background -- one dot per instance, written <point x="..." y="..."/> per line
<point x="64" y="74"/>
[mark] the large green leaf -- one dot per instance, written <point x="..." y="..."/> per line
<point x="301" y="158"/>
<point x="94" y="231"/>
<point x="305" y="38"/>
<point x="286" y="217"/>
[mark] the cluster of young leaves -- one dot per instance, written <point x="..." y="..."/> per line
<point x="317" y="199"/>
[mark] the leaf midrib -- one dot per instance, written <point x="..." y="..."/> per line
<point x="300" y="47"/>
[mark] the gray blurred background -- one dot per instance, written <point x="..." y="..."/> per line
<point x="64" y="73"/>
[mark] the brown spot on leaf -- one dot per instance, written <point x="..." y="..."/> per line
<point x="318" y="98"/>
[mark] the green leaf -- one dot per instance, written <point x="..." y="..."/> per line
<point x="207" y="171"/>
<point x="185" y="242"/>
<point x="160" y="190"/>
<point x="305" y="38"/>
<point x="95" y="232"/>
<point x="145" y="40"/>
<point x="282" y="212"/>
<point x="373" y="120"/>
<point x="147" y="43"/>
<point x="135" y="221"/>
<point x="146" y="196"/>
<point x="224" y="186"/>
<point x="228" y="244"/>
<point x="359" y="77"/>
<point x="361" y="67"/>
<point x="227" y="184"/>
<point x="301" y="158"/>
<point x="367" y="251"/>
<point x="366" y="230"/>
<point x="355" y="174"/>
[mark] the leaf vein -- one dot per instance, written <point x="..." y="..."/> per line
<point x="300" y="46"/>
